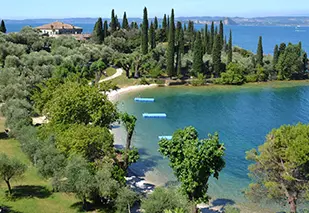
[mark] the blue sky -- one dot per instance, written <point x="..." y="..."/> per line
<point x="20" y="9"/>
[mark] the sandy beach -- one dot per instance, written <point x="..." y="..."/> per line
<point x="115" y="94"/>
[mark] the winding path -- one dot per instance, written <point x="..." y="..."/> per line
<point x="118" y="73"/>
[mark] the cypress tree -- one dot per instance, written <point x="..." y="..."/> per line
<point x="113" y="24"/>
<point x="156" y="24"/>
<point x="105" y="29"/>
<point x="135" y="25"/>
<point x="164" y="22"/>
<point x="276" y="56"/>
<point x="171" y="47"/>
<point x="179" y="45"/>
<point x="152" y="36"/>
<point x="221" y="33"/>
<point x="206" y="39"/>
<point x="198" y="55"/>
<point x="145" y="33"/>
<point x="282" y="48"/>
<point x="212" y="37"/>
<point x="125" y="23"/>
<point x="117" y="23"/>
<point x="216" y="33"/>
<point x="259" y="54"/>
<point x="191" y="34"/>
<point x="216" y="56"/>
<point x="97" y="34"/>
<point x="230" y="49"/>
<point x="2" y="27"/>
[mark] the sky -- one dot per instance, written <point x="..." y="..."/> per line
<point x="22" y="9"/>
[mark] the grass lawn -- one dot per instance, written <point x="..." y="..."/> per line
<point x="109" y="72"/>
<point x="34" y="193"/>
<point x="123" y="81"/>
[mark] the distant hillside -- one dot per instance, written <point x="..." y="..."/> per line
<point x="257" y="21"/>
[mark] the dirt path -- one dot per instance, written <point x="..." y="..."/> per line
<point x="118" y="73"/>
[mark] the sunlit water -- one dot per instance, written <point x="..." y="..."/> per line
<point x="242" y="116"/>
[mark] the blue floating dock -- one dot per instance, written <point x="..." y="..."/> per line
<point x="154" y="115"/>
<point x="165" y="137"/>
<point x="144" y="99"/>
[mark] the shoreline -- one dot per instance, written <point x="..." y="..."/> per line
<point x="115" y="94"/>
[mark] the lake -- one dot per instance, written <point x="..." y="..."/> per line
<point x="243" y="36"/>
<point x="242" y="116"/>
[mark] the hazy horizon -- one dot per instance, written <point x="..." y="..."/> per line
<point x="57" y="9"/>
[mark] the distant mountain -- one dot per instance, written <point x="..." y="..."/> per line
<point x="256" y="21"/>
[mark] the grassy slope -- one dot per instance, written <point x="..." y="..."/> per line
<point x="123" y="81"/>
<point x="39" y="197"/>
<point x="109" y="72"/>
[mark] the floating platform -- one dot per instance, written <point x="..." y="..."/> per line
<point x="154" y="115"/>
<point x="165" y="137"/>
<point x="144" y="99"/>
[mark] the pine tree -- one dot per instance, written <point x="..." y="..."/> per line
<point x="212" y="37"/>
<point x="230" y="49"/>
<point x="259" y="54"/>
<point x="152" y="36"/>
<point x="156" y="24"/>
<point x="2" y="27"/>
<point x="125" y="23"/>
<point x="113" y="24"/>
<point x="98" y="35"/>
<point x="221" y="33"/>
<point x="198" y="55"/>
<point x="105" y="29"/>
<point x="145" y="33"/>
<point x="171" y="47"/>
<point x="276" y="56"/>
<point x="216" y="56"/>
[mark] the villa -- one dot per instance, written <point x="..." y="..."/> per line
<point x="59" y="28"/>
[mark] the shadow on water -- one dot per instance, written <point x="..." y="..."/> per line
<point x="27" y="191"/>
<point x="8" y="209"/>
<point x="217" y="205"/>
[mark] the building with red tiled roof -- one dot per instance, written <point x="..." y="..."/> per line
<point x="59" y="28"/>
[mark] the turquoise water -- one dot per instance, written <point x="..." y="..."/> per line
<point x="242" y="116"/>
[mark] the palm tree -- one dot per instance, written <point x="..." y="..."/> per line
<point x="129" y="122"/>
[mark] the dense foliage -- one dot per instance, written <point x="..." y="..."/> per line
<point x="281" y="166"/>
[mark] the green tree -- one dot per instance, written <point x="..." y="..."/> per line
<point x="152" y="36"/>
<point x="282" y="48"/>
<point x="156" y="24"/>
<point x="82" y="104"/>
<point x="180" y="47"/>
<point x="171" y="48"/>
<point x="230" y="49"/>
<point x="129" y="122"/>
<point x="96" y="69"/>
<point x="125" y="23"/>
<point x="234" y="75"/>
<point x="198" y="64"/>
<point x="78" y="179"/>
<point x="206" y="39"/>
<point x="259" y="53"/>
<point x="194" y="161"/>
<point x="98" y="34"/>
<point x="216" y="57"/>
<point x="221" y="33"/>
<point x="165" y="199"/>
<point x="212" y="37"/>
<point x="10" y="169"/>
<point x="2" y="27"/>
<point x="105" y="29"/>
<point x="145" y="32"/>
<point x="281" y="166"/>
<point x="88" y="141"/>
<point x="113" y="23"/>
<point x="276" y="56"/>
<point x="125" y="200"/>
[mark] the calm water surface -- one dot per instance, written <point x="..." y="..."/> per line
<point x="242" y="116"/>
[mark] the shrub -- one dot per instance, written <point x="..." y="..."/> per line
<point x="199" y="81"/>
<point x="251" y="78"/>
<point x="143" y="81"/>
